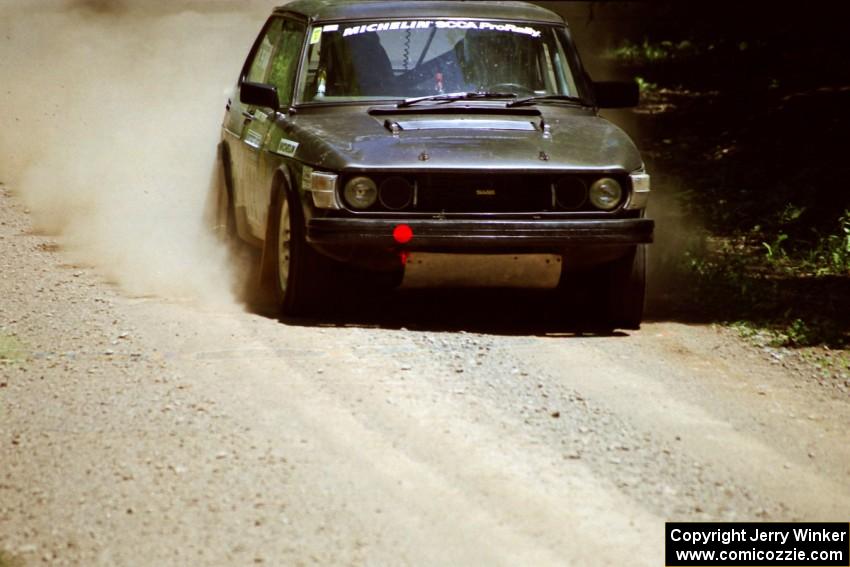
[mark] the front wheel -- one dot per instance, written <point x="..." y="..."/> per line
<point x="297" y="275"/>
<point x="625" y="286"/>
<point x="610" y="296"/>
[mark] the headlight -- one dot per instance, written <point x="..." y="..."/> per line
<point x="361" y="193"/>
<point x="396" y="193"/>
<point x="570" y="193"/>
<point x="606" y="194"/>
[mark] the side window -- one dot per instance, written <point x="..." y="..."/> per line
<point x="260" y="63"/>
<point x="285" y="61"/>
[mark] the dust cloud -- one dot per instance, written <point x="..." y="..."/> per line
<point x="110" y="117"/>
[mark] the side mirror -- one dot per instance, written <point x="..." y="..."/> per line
<point x="616" y="94"/>
<point x="259" y="94"/>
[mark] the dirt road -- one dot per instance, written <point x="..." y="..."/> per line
<point x="141" y="430"/>
<point x="147" y="418"/>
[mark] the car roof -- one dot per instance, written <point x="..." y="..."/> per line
<point x="399" y="9"/>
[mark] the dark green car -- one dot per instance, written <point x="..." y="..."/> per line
<point x="433" y="143"/>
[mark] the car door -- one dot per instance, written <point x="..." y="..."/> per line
<point x="246" y="126"/>
<point x="278" y="57"/>
<point x="281" y="74"/>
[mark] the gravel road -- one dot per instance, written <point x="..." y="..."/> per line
<point x="141" y="430"/>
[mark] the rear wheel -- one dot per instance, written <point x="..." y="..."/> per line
<point x="244" y="258"/>
<point x="223" y="218"/>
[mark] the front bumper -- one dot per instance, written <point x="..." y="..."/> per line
<point x="338" y="237"/>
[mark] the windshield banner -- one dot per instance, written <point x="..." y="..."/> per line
<point x="439" y="24"/>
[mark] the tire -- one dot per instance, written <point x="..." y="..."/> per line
<point x="624" y="284"/>
<point x="296" y="276"/>
<point x="610" y="296"/>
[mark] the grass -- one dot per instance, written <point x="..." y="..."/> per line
<point x="781" y="302"/>
<point x="734" y="279"/>
<point x="801" y="341"/>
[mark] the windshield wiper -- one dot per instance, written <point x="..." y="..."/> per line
<point x="545" y="98"/>
<point x="451" y="97"/>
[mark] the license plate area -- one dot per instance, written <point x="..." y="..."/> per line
<point x="534" y="271"/>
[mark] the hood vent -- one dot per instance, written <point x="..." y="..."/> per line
<point x="460" y="124"/>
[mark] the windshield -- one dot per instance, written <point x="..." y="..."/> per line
<point x="399" y="59"/>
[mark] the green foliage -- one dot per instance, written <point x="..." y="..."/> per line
<point x="791" y="213"/>
<point x="653" y="52"/>
<point x="645" y="86"/>
<point x="798" y="333"/>
<point x="831" y="255"/>
<point x="746" y="329"/>
<point x="774" y="249"/>
<point x="764" y="298"/>
<point x="720" y="275"/>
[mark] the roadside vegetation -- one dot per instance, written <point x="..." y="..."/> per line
<point x="746" y="118"/>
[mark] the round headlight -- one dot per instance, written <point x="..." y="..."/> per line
<point x="606" y="194"/>
<point x="361" y="192"/>
<point x="570" y="192"/>
<point x="396" y="193"/>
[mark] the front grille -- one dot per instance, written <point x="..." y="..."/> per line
<point x="465" y="193"/>
<point x="458" y="193"/>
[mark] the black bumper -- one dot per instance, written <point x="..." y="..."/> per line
<point x="333" y="235"/>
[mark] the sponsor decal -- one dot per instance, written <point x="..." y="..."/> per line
<point x="253" y="138"/>
<point x="316" y="37"/>
<point x="439" y="24"/>
<point x="287" y="147"/>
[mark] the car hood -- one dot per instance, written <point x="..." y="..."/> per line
<point x="349" y="138"/>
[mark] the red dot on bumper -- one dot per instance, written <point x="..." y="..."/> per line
<point x="403" y="234"/>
